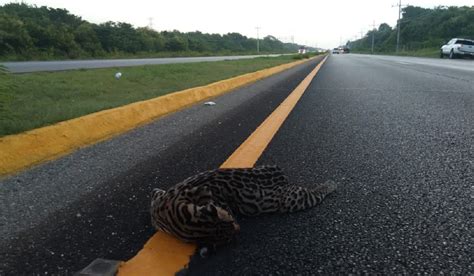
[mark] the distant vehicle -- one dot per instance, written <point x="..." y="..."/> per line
<point x="302" y="50"/>
<point x="341" y="50"/>
<point x="458" y="47"/>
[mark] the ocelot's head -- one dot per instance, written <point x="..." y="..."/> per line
<point x="210" y="224"/>
<point x="205" y="223"/>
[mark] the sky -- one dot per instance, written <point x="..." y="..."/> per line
<point x="324" y="24"/>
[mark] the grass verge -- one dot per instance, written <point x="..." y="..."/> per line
<point x="33" y="100"/>
<point x="306" y="55"/>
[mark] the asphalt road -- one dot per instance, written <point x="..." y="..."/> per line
<point x="38" y="66"/>
<point x="442" y="65"/>
<point x="398" y="138"/>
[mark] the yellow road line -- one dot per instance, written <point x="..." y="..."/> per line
<point x="26" y="149"/>
<point x="165" y="255"/>
<point x="248" y="153"/>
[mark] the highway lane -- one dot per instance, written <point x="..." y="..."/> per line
<point x="40" y="66"/>
<point x="399" y="141"/>
<point x="396" y="137"/>
<point x="441" y="64"/>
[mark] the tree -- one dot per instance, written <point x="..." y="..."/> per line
<point x="150" y="40"/>
<point x="197" y="42"/>
<point x="175" y="42"/>
<point x="384" y="28"/>
<point x="14" y="38"/>
<point x="87" y="39"/>
<point x="28" y="31"/>
<point x="423" y="28"/>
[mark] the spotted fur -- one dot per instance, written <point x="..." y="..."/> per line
<point x="202" y="208"/>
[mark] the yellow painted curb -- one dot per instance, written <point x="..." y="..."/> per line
<point x="155" y="257"/>
<point x="23" y="150"/>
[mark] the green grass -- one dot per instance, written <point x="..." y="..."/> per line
<point x="29" y="101"/>
<point x="306" y="55"/>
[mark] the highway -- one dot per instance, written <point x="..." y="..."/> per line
<point x="395" y="133"/>
<point x="41" y="66"/>
<point x="441" y="64"/>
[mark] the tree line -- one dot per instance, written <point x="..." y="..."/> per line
<point x="420" y="28"/>
<point x="31" y="32"/>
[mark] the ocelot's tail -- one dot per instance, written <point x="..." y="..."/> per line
<point x="299" y="198"/>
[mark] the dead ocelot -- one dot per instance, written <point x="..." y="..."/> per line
<point x="202" y="208"/>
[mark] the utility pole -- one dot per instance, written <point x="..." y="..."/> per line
<point x="399" y="5"/>
<point x="398" y="24"/>
<point x="373" y="36"/>
<point x="258" y="42"/>
<point x="150" y="23"/>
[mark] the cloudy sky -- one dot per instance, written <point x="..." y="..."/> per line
<point x="316" y="23"/>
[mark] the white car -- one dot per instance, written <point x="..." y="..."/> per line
<point x="458" y="47"/>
